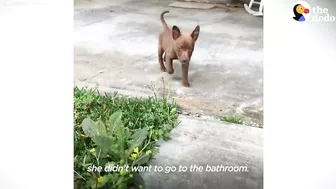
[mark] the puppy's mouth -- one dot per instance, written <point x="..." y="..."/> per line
<point x="184" y="61"/>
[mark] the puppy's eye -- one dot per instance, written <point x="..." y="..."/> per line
<point x="179" y="47"/>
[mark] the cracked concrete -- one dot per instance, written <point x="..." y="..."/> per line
<point x="116" y="47"/>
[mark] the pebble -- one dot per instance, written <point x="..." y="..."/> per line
<point x="185" y="113"/>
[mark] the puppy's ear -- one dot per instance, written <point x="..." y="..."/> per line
<point x="195" y="33"/>
<point x="176" y="32"/>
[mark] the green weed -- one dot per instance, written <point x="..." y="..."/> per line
<point x="111" y="130"/>
<point x="233" y="118"/>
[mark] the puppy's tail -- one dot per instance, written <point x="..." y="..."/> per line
<point x="162" y="19"/>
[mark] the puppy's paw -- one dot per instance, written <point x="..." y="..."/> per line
<point x="171" y="71"/>
<point x="163" y="69"/>
<point x="186" y="84"/>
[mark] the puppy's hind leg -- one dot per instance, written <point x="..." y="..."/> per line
<point x="160" y="53"/>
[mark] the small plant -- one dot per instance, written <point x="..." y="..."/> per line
<point x="111" y="130"/>
<point x="114" y="146"/>
<point x="233" y="118"/>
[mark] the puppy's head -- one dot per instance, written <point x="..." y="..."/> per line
<point x="184" y="43"/>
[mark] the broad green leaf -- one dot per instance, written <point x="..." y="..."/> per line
<point x="127" y="136"/>
<point x="142" y="159"/>
<point x="115" y="151"/>
<point x="89" y="127"/>
<point x="113" y="118"/>
<point x="120" y="133"/>
<point x="103" y="141"/>
<point x="103" y="152"/>
<point x="116" y="125"/>
<point x="101" y="130"/>
<point x="102" y="162"/>
<point x="138" y="181"/>
<point x="138" y="137"/>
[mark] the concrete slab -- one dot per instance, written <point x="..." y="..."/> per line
<point x="203" y="142"/>
<point x="116" y="48"/>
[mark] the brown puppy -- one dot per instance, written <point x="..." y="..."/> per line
<point x="176" y="45"/>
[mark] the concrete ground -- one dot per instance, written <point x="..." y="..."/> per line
<point x="206" y="142"/>
<point x="116" y="49"/>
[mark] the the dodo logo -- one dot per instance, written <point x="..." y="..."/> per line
<point x="301" y="11"/>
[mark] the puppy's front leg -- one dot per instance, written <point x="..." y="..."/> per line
<point x="185" y="69"/>
<point x="169" y="65"/>
<point x="160" y="53"/>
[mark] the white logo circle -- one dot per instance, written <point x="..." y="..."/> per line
<point x="305" y="7"/>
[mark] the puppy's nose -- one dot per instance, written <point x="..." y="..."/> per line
<point x="185" y="61"/>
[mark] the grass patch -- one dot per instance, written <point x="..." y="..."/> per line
<point x="241" y="120"/>
<point x="234" y="118"/>
<point x="112" y="130"/>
